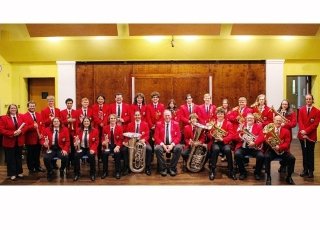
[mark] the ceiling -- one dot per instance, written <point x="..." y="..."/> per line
<point x="29" y="31"/>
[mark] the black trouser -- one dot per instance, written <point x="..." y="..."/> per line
<point x="117" y="159"/>
<point x="125" y="152"/>
<point x="307" y="148"/>
<point x="33" y="157"/>
<point x="287" y="158"/>
<point x="72" y="151"/>
<point x="220" y="147"/>
<point x="92" y="161"/>
<point x="48" y="160"/>
<point x="240" y="156"/>
<point x="14" y="160"/>
<point x="176" y="151"/>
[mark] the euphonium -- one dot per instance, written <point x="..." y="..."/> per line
<point x="247" y="136"/>
<point x="137" y="152"/>
<point x="271" y="137"/>
<point x="217" y="132"/>
<point x="284" y="119"/>
<point x="198" y="152"/>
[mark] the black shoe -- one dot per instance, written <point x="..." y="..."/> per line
<point x="310" y="175"/>
<point x="232" y="175"/>
<point x="49" y="175"/>
<point x="76" y="177"/>
<point x="172" y="172"/>
<point x="257" y="176"/>
<point x="282" y="169"/>
<point x="61" y="173"/>
<point x="40" y="169"/>
<point x="212" y="175"/>
<point x="93" y="177"/>
<point x="117" y="175"/>
<point x="289" y="180"/>
<point x="148" y="172"/>
<point x="268" y="181"/>
<point x="31" y="171"/>
<point x="163" y="173"/>
<point x="104" y="175"/>
<point x="125" y="172"/>
<point x="242" y="176"/>
<point x="304" y="173"/>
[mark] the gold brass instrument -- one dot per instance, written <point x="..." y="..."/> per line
<point x="271" y="137"/>
<point x="37" y="129"/>
<point x="77" y="144"/>
<point x="284" y="119"/>
<point x="241" y="118"/>
<point x="46" y="141"/>
<point x="247" y="136"/>
<point x="257" y="115"/>
<point x="106" y="140"/>
<point x="198" y="152"/>
<point x="70" y="123"/>
<point x="137" y="152"/>
<point x="217" y="132"/>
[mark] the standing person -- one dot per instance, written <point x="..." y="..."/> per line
<point x="226" y="108"/>
<point x="172" y="106"/>
<point x="308" y="121"/>
<point x="13" y="128"/>
<point x="121" y="109"/>
<point x="49" y="112"/>
<point x="84" y="111"/>
<point x="239" y="113"/>
<point x="261" y="112"/>
<point x="207" y="111"/>
<point x="56" y="140"/>
<point x="34" y="126"/>
<point x="278" y="139"/>
<point x="112" y="142"/>
<point x="187" y="109"/>
<point x="139" y="104"/>
<point x="86" y="142"/>
<point x="68" y="119"/>
<point x="167" y="139"/>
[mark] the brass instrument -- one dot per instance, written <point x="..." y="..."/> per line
<point x="46" y="141"/>
<point x="247" y="136"/>
<point x="100" y="115"/>
<point x="217" y="132"/>
<point x="198" y="152"/>
<point x="257" y="115"/>
<point x="70" y="123"/>
<point x="241" y="118"/>
<point x="37" y="129"/>
<point x="284" y="119"/>
<point x="106" y="140"/>
<point x="77" y="144"/>
<point x="271" y="137"/>
<point x="137" y="152"/>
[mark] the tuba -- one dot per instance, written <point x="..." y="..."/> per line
<point x="137" y="152"/>
<point x="271" y="137"/>
<point x="198" y="153"/>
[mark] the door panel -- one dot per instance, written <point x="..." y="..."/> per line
<point x="39" y="89"/>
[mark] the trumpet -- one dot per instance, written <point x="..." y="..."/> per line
<point x="46" y="141"/>
<point x="37" y="129"/>
<point x="70" y="123"/>
<point x="284" y="119"/>
<point x="77" y="144"/>
<point x="106" y="140"/>
<point x="100" y="115"/>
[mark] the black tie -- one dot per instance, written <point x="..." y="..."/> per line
<point x="100" y="107"/>
<point x="56" y="137"/>
<point x="112" y="137"/>
<point x="308" y="110"/>
<point x="118" y="110"/>
<point x="155" y="106"/>
<point x="283" y="113"/>
<point x="167" y="134"/>
<point x="207" y="109"/>
<point x="190" y="110"/>
<point x="137" y="128"/>
<point x="69" y="113"/>
<point x="139" y="107"/>
<point x="34" y="117"/>
<point x="85" y="112"/>
<point x="52" y="112"/>
<point x="86" y="139"/>
<point x="15" y="122"/>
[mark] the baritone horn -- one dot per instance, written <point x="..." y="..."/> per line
<point x="271" y="137"/>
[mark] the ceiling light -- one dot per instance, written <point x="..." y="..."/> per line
<point x="54" y="39"/>
<point x="154" y="38"/>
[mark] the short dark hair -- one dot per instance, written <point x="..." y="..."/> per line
<point x="68" y="99"/>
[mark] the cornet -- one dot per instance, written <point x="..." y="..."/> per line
<point x="70" y="123"/>
<point x="77" y="144"/>
<point x="37" y="129"/>
<point x="46" y="141"/>
<point x="106" y="140"/>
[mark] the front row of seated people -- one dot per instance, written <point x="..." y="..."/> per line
<point x="221" y="138"/>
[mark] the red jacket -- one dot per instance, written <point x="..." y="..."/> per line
<point x="45" y="114"/>
<point x="266" y="115"/>
<point x="235" y="113"/>
<point x="184" y="113"/>
<point x="64" y="120"/>
<point x="80" y="113"/>
<point x="256" y="130"/>
<point x="31" y="134"/>
<point x="63" y="138"/>
<point x="7" y="129"/>
<point x="159" y="133"/>
<point x="100" y="116"/>
<point x="93" y="138"/>
<point x="205" y="117"/>
<point x="285" y="138"/>
<point x="308" y="123"/>
<point x="189" y="134"/>
<point x="154" y="115"/>
<point x="143" y="130"/>
<point x="118" y="134"/>
<point x="143" y="111"/>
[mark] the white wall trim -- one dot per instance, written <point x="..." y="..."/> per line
<point x="274" y="82"/>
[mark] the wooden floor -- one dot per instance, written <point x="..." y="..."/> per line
<point x="182" y="178"/>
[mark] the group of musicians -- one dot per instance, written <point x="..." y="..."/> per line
<point x="199" y="133"/>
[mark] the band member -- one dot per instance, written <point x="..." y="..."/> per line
<point x="222" y="133"/>
<point x="308" y="121"/>
<point x="122" y="110"/>
<point x="249" y="138"/>
<point x="239" y="113"/>
<point x="139" y="126"/>
<point x="261" y="111"/>
<point x="49" y="112"/>
<point x="13" y="128"/>
<point x="56" y="140"/>
<point x="84" y="111"/>
<point x="86" y="143"/>
<point x="154" y="114"/>
<point x="280" y="139"/>
<point x="139" y="104"/>
<point x="167" y="139"/>
<point x="69" y="119"/>
<point x="100" y="112"/>
<point x="187" y="109"/>
<point x="190" y="141"/>
<point x="226" y="108"/>
<point x="289" y="121"/>
<point x="172" y="106"/>
<point x="112" y="142"/>
<point x="207" y="111"/>
<point x="34" y="126"/>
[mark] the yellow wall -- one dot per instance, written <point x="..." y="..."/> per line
<point x="5" y="85"/>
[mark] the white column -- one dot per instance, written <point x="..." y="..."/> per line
<point x="274" y="82"/>
<point x="210" y="85"/>
<point x="66" y="82"/>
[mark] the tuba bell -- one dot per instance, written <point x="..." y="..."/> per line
<point x="137" y="152"/>
<point x="271" y="137"/>
<point x="198" y="153"/>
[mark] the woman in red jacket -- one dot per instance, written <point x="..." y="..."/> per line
<point x="12" y="127"/>
<point x="86" y="143"/>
